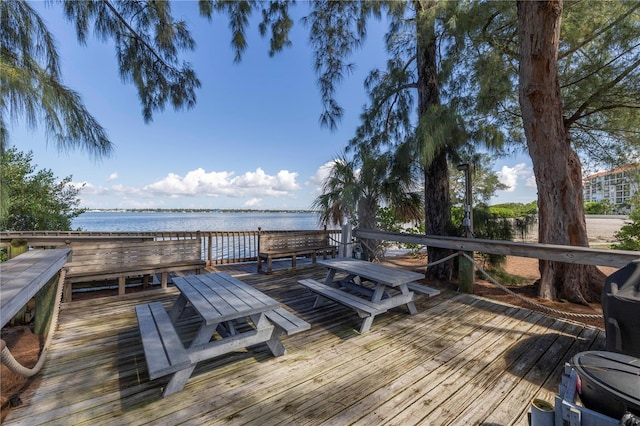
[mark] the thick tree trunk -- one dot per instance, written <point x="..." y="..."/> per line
<point x="438" y="214"/>
<point x="436" y="174"/>
<point x="556" y="166"/>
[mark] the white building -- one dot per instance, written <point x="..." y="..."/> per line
<point x="617" y="185"/>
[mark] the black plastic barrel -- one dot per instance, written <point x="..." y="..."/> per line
<point x="609" y="382"/>
<point x="621" y="309"/>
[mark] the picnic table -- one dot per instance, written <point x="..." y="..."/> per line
<point x="232" y="315"/>
<point x="392" y="287"/>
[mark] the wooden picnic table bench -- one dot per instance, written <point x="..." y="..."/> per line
<point x="392" y="287"/>
<point x="241" y="315"/>
<point x="282" y="244"/>
<point x="123" y="259"/>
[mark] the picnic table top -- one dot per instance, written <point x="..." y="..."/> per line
<point x="219" y="297"/>
<point x="24" y="275"/>
<point x="375" y="272"/>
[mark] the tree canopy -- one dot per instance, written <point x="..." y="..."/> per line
<point x="35" y="200"/>
<point x="147" y="40"/>
<point x="32" y="88"/>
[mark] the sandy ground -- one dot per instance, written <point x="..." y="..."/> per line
<point x="600" y="229"/>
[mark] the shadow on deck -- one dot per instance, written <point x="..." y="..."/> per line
<point x="460" y="360"/>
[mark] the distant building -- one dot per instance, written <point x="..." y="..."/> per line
<point x="617" y="185"/>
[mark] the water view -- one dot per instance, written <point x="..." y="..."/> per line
<point x="144" y="221"/>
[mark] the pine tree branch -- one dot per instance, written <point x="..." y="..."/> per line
<point x="600" y="68"/>
<point x="598" y="33"/>
<point x="135" y="34"/>
<point x="579" y="112"/>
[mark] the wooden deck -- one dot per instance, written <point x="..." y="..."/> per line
<point x="461" y="360"/>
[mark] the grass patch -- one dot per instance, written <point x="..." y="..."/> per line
<point x="505" y="278"/>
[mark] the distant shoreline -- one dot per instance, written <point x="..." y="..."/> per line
<point x="88" y="210"/>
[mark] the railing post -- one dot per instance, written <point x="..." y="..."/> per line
<point x="465" y="273"/>
<point x="465" y="265"/>
<point x="17" y="247"/>
<point x="258" y="245"/>
<point x="210" y="249"/>
<point x="345" y="249"/>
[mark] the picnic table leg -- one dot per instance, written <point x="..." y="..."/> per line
<point x="329" y="279"/>
<point x="204" y="334"/>
<point x="320" y="301"/>
<point x="404" y="289"/>
<point x="378" y="292"/>
<point x="366" y="324"/>
<point x="178" y="380"/>
<point x="226" y="329"/>
<point x="177" y="308"/>
<point x="274" y="344"/>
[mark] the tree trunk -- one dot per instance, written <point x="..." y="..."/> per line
<point x="367" y="220"/>
<point x="556" y="166"/>
<point x="436" y="174"/>
<point x="437" y="214"/>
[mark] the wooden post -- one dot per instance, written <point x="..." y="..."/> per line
<point x="17" y="247"/>
<point x="465" y="266"/>
<point x="258" y="245"/>
<point x="345" y="249"/>
<point x="465" y="273"/>
<point x="45" y="303"/>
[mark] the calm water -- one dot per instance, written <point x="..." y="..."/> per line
<point x="209" y="221"/>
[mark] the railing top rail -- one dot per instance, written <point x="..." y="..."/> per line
<point x="558" y="253"/>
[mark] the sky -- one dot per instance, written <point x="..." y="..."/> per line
<point x="253" y="140"/>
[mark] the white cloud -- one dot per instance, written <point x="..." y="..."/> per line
<point x="321" y="175"/>
<point x="510" y="175"/>
<point x="113" y="176"/>
<point x="213" y="184"/>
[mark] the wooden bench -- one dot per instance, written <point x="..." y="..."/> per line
<point x="286" y="323"/>
<point x="274" y="245"/>
<point x="363" y="307"/>
<point x="163" y="349"/>
<point x="123" y="259"/>
<point x="423" y="289"/>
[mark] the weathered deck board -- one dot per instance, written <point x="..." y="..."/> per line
<point x="460" y="360"/>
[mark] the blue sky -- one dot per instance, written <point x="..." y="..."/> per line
<point x="252" y="141"/>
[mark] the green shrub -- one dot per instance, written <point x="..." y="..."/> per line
<point x="628" y="236"/>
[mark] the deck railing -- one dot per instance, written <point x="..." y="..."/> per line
<point x="218" y="247"/>
<point x="223" y="247"/>
<point x="558" y="253"/>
